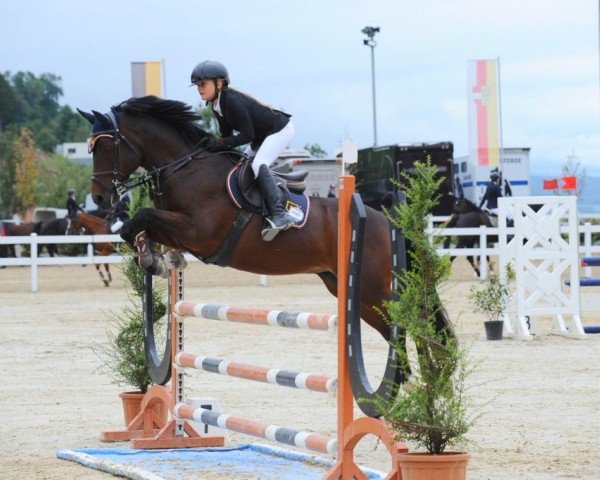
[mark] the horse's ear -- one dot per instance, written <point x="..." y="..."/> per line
<point x="102" y="119"/>
<point x="88" y="116"/>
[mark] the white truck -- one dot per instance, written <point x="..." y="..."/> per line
<point x="323" y="172"/>
<point x="471" y="180"/>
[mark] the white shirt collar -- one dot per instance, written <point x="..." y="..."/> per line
<point x="217" y="105"/>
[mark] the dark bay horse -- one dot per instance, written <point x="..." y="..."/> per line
<point x="89" y="224"/>
<point x="468" y="215"/>
<point x="18" y="230"/>
<point x="194" y="213"/>
<point x="52" y="226"/>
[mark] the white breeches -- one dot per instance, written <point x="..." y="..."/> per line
<point x="271" y="148"/>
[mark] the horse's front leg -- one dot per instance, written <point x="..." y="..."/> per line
<point x="159" y="226"/>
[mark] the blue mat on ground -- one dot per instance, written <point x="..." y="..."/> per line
<point x="250" y="461"/>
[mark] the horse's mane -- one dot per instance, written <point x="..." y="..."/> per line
<point x="177" y="114"/>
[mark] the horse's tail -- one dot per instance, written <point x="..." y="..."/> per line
<point x="450" y="224"/>
<point x="37" y="228"/>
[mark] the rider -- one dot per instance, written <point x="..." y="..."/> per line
<point x="121" y="212"/>
<point x="267" y="131"/>
<point x="492" y="193"/>
<point x="72" y="206"/>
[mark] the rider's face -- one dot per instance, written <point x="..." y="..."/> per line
<point x="207" y="89"/>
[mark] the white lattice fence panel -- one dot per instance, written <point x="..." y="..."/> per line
<point x="541" y="257"/>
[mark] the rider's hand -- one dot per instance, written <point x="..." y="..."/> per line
<point x="215" y="145"/>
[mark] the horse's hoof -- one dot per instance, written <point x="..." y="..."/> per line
<point x="174" y="259"/>
<point x="105" y="283"/>
<point x="158" y="268"/>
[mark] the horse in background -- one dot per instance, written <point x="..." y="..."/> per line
<point x="18" y="230"/>
<point x="468" y="215"/>
<point x="52" y="226"/>
<point x="85" y="223"/>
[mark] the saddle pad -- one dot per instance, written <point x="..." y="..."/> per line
<point x="297" y="205"/>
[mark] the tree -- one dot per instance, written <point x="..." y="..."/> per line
<point x="315" y="150"/>
<point x="573" y="168"/>
<point x="26" y="170"/>
<point x="8" y="103"/>
<point x="57" y="175"/>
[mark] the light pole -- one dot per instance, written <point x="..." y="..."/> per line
<point x="370" y="42"/>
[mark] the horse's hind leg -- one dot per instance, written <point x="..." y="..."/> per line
<point x="101" y="274"/>
<point x="107" y="268"/>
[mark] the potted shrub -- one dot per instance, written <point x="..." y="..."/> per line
<point x="123" y="355"/>
<point x="431" y="410"/>
<point x="492" y="301"/>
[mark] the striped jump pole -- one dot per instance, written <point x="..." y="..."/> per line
<point x="275" y="433"/>
<point x="590" y="262"/>
<point x="304" y="320"/>
<point x="285" y="378"/>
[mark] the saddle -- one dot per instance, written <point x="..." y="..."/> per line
<point x="246" y="188"/>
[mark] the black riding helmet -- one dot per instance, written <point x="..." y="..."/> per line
<point x="494" y="176"/>
<point x="209" y="70"/>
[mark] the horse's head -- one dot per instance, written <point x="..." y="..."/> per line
<point x="146" y="131"/>
<point x="115" y="157"/>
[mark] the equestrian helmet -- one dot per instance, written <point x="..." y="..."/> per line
<point x="209" y="70"/>
<point x="71" y="190"/>
<point x="494" y="176"/>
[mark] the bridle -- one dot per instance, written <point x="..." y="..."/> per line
<point x="114" y="133"/>
<point x="151" y="177"/>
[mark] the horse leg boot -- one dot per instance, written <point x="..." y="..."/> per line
<point x="174" y="259"/>
<point x="280" y="219"/>
<point x="146" y="259"/>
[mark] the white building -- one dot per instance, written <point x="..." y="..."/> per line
<point x="75" y="151"/>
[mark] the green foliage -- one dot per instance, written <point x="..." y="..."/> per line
<point x="123" y="356"/>
<point x="493" y="299"/>
<point x="432" y="410"/>
<point x="32" y="102"/>
<point x="315" y="150"/>
<point x="208" y="121"/>
<point x="57" y="175"/>
<point x="26" y="170"/>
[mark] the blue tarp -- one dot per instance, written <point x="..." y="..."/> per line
<point x="250" y="461"/>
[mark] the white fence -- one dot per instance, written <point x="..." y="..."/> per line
<point x="586" y="248"/>
<point x="33" y="261"/>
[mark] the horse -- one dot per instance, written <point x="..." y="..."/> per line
<point x="468" y="215"/>
<point x="194" y="213"/>
<point x="18" y="230"/>
<point x="85" y="222"/>
<point x="52" y="226"/>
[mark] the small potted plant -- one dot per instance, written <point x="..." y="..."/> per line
<point x="492" y="301"/>
<point x="431" y="410"/>
<point x="123" y="355"/>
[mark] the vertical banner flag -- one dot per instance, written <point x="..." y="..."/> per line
<point x="484" y="125"/>
<point x="146" y="79"/>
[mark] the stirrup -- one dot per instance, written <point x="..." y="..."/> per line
<point x="271" y="230"/>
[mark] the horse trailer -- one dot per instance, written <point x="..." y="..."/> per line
<point x="471" y="180"/>
<point x="376" y="167"/>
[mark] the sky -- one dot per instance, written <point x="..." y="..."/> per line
<point x="308" y="58"/>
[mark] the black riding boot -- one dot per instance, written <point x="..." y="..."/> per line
<point x="280" y="219"/>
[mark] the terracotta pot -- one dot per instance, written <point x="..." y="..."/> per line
<point x="425" y="466"/>
<point x="131" y="404"/>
